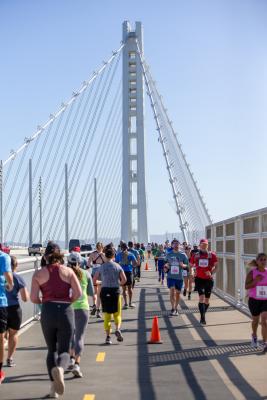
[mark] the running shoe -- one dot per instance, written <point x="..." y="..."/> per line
<point x="203" y="321"/>
<point x="10" y="362"/>
<point x="58" y="376"/>
<point x="2" y="376"/>
<point x="131" y="305"/>
<point x="184" y="292"/>
<point x="71" y="365"/>
<point x="119" y="336"/>
<point x="77" y="371"/>
<point x="254" y="342"/>
<point x="159" y="279"/>
<point x="98" y="314"/>
<point x="125" y="307"/>
<point x="176" y="312"/>
<point x="189" y="296"/>
<point x="52" y="394"/>
<point x="108" y="340"/>
<point x="172" y="313"/>
<point x="93" y="310"/>
<point x="265" y="348"/>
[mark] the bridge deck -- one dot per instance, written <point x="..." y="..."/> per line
<point x="194" y="362"/>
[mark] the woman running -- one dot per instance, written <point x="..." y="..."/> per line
<point x="112" y="276"/>
<point x="256" y="284"/>
<point x="161" y="255"/>
<point x="59" y="288"/>
<point x="81" y="312"/>
<point x="14" y="312"/>
<point x="95" y="260"/>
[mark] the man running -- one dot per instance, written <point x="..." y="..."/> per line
<point x="95" y="260"/>
<point x="135" y="252"/>
<point x="175" y="262"/>
<point x="127" y="261"/>
<point x="205" y="263"/>
<point x="142" y="258"/>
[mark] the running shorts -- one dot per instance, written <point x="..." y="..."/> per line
<point x="256" y="307"/>
<point x="3" y="319"/>
<point x="14" y="317"/>
<point x="204" y="286"/>
<point x="129" y="277"/>
<point x="176" y="283"/>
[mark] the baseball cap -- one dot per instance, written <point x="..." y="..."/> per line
<point x="204" y="241"/>
<point x="77" y="249"/>
<point x="74" y="258"/>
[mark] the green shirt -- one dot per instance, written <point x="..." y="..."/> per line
<point x="82" y="302"/>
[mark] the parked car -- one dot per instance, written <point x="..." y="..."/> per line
<point x="4" y="248"/>
<point x="36" y="249"/>
<point x="86" y="247"/>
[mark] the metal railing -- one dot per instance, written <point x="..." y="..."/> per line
<point x="237" y="241"/>
<point x="30" y="311"/>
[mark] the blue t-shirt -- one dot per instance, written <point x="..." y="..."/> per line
<point x="13" y="296"/>
<point x="161" y="258"/>
<point x="5" y="266"/>
<point x="126" y="267"/>
<point x="173" y="259"/>
<point x="135" y="253"/>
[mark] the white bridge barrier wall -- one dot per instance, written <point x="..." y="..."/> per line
<point x="236" y="241"/>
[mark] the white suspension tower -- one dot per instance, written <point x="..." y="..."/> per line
<point x="134" y="209"/>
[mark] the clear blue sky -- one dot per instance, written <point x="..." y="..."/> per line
<point x="208" y="57"/>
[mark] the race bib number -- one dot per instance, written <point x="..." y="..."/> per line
<point x="261" y="292"/>
<point x="203" y="262"/>
<point x="185" y="272"/>
<point x="175" y="269"/>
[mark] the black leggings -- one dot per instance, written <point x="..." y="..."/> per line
<point x="57" y="321"/>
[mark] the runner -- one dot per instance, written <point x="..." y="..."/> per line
<point x="142" y="258"/>
<point x="83" y="261"/>
<point x="112" y="276"/>
<point x="154" y="253"/>
<point x="14" y="312"/>
<point x="148" y="249"/>
<point x="6" y="283"/>
<point x="188" y="278"/>
<point x="137" y="267"/>
<point x="175" y="262"/>
<point x="81" y="313"/>
<point x="95" y="260"/>
<point x="161" y="255"/>
<point x="59" y="287"/>
<point x="205" y="263"/>
<point x="256" y="284"/>
<point x="127" y="261"/>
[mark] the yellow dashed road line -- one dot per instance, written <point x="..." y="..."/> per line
<point x="89" y="397"/>
<point x="100" y="357"/>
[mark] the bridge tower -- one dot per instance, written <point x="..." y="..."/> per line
<point x="134" y="208"/>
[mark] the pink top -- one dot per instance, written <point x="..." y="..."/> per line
<point x="55" y="289"/>
<point x="259" y="292"/>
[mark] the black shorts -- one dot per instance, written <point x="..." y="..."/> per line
<point x="256" y="307"/>
<point x="3" y="319"/>
<point x="204" y="286"/>
<point x="14" y="317"/>
<point x="129" y="277"/>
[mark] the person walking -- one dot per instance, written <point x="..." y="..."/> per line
<point x="112" y="276"/>
<point x="56" y="286"/>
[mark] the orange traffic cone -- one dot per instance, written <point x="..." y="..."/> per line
<point x="146" y="267"/>
<point x="155" y="333"/>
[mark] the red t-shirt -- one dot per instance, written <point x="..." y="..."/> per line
<point x="203" y="261"/>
